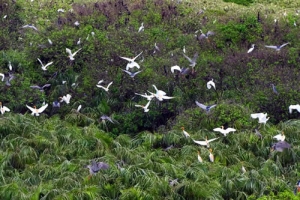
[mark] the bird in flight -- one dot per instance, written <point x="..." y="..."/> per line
<point x="44" y="67"/>
<point x="36" y="111"/>
<point x="71" y="55"/>
<point x="278" y="47"/>
<point x="204" y="107"/>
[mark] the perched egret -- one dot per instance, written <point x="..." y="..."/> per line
<point x="211" y="156"/>
<point x="294" y="107"/>
<point x="141" y="28"/>
<point x="277" y="48"/>
<point x="199" y="157"/>
<point x="9" y="66"/>
<point x="243" y="169"/>
<point x="156" y="48"/>
<point x="204" y="107"/>
<point x="60" y="10"/>
<point x="144" y="107"/>
<point x="105" y="88"/>
<point x="210" y="84"/>
<point x="3" y="76"/>
<point x="280" y="137"/>
<point x="79" y="108"/>
<point x="280" y="146"/>
<point x="40" y="88"/>
<point x="224" y="131"/>
<point x="71" y="55"/>
<point x="79" y="41"/>
<point x="3" y="109"/>
<point x="206" y="142"/>
<point x="36" y="111"/>
<point x="50" y="42"/>
<point x="44" y="67"/>
<point x="186" y="134"/>
<point x="65" y="98"/>
<point x="251" y="49"/>
<point x="184" y="51"/>
<point x="76" y="23"/>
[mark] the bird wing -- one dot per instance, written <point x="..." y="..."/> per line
<point x="218" y="129"/>
<point x="35" y="87"/>
<point x="2" y="76"/>
<point x="210" y="33"/>
<point x="132" y="65"/>
<point x="30" y="108"/>
<point x="272" y="47"/>
<point x="212" y="106"/>
<point x="100" y="82"/>
<point x="135" y="73"/>
<point x="40" y="62"/>
<point x="176" y="67"/>
<point x="189" y="59"/>
<point x="5" y="108"/>
<point x="147" y="105"/>
<point x="140" y="106"/>
<point x="204" y="143"/>
<point x="256" y="115"/>
<point x="284" y="45"/>
<point x="230" y="130"/>
<point x="167" y="97"/>
<point x="46" y="85"/>
<point x="136" y="56"/>
<point x="128" y="59"/>
<point x="109" y="84"/>
<point x="128" y="72"/>
<point x="76" y="52"/>
<point x="195" y="57"/>
<point x="102" y="165"/>
<point x="212" y="139"/>
<point x="202" y="36"/>
<point x="41" y="109"/>
<point x="69" y="51"/>
<point x="201" y="105"/>
<point x="50" y="63"/>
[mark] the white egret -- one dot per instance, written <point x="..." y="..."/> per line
<point x="30" y="26"/>
<point x="79" y="41"/>
<point x="141" y="28"/>
<point x="294" y="107"/>
<point x="204" y="107"/>
<point x="224" y="131"/>
<point x="199" y="157"/>
<point x="3" y="76"/>
<point x="71" y="55"/>
<point x="40" y="88"/>
<point x="148" y="97"/>
<point x="60" y="10"/>
<point x="50" y="42"/>
<point x="211" y="156"/>
<point x="78" y="108"/>
<point x="131" y="74"/>
<point x="105" y="88"/>
<point x="280" y="137"/>
<point x="65" y="98"/>
<point x="186" y="134"/>
<point x="262" y="117"/>
<point x="131" y="59"/>
<point x="44" y="67"/>
<point x="36" y="111"/>
<point x="205" y="142"/>
<point x="251" y="49"/>
<point x="9" y="66"/>
<point x="277" y="48"/>
<point x="145" y="107"/>
<point x="3" y="109"/>
<point x="76" y="23"/>
<point x="210" y="84"/>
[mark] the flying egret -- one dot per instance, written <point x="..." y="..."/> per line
<point x="105" y="88"/>
<point x="274" y="89"/>
<point x="251" y="49"/>
<point x="131" y="62"/>
<point x="36" y="111"/>
<point x="44" y="67"/>
<point x="3" y="76"/>
<point x="65" y="98"/>
<point x="199" y="157"/>
<point x="186" y="134"/>
<point x="262" y="117"/>
<point x="96" y="167"/>
<point x="280" y="137"/>
<point x="40" y="88"/>
<point x="106" y="118"/>
<point x="131" y="59"/>
<point x="280" y="146"/>
<point x="204" y="107"/>
<point x="277" y="48"/>
<point x="131" y="74"/>
<point x="205" y="36"/>
<point x="182" y="71"/>
<point x="192" y="61"/>
<point x="206" y="142"/>
<point x="210" y="84"/>
<point x="160" y="95"/>
<point x="71" y="55"/>
<point x="224" y="131"/>
<point x="30" y="26"/>
<point x="145" y="107"/>
<point x="141" y="28"/>
<point x="294" y="107"/>
<point x="211" y="156"/>
<point x="3" y="109"/>
<point x="148" y="97"/>
<point x="175" y="67"/>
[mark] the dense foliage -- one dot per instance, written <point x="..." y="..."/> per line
<point x="44" y="157"/>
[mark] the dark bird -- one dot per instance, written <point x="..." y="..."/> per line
<point x="280" y="146"/>
<point x="204" y="107"/>
<point x="274" y="89"/>
<point x="96" y="167"/>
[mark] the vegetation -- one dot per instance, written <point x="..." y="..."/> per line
<point x="44" y="157"/>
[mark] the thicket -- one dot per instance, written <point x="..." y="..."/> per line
<point x="243" y="83"/>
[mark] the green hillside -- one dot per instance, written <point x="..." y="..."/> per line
<point x="149" y="156"/>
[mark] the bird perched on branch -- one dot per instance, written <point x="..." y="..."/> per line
<point x="3" y="109"/>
